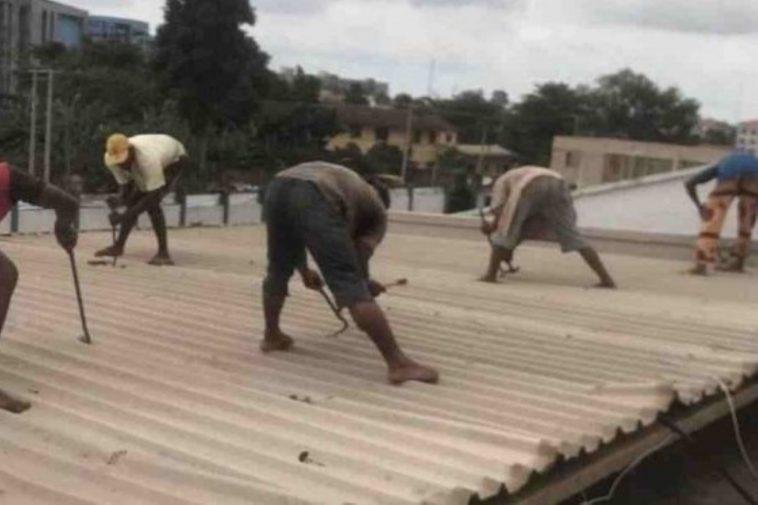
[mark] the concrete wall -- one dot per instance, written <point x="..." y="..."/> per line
<point x="202" y="210"/>
<point x="425" y="200"/>
<point x="583" y="160"/>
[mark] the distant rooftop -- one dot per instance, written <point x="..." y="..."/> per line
<point x="488" y="150"/>
<point x="389" y="117"/>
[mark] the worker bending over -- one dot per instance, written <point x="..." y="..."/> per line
<point x="16" y="186"/>
<point x="340" y="219"/>
<point x="535" y="203"/>
<point x="146" y="167"/>
<point x="736" y="176"/>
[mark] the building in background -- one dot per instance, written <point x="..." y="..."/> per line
<point x="494" y="159"/>
<point x="110" y="29"/>
<point x="747" y="136"/>
<point x="713" y="131"/>
<point x="25" y="24"/>
<point x="368" y="126"/>
<point x="589" y="161"/>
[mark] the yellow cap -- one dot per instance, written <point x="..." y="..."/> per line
<point x="116" y="149"/>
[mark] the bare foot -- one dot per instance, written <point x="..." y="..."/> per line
<point x="7" y="402"/>
<point x="489" y="279"/>
<point x="161" y="260"/>
<point x="701" y="270"/>
<point x="277" y="342"/>
<point x="412" y="371"/>
<point x="606" y="285"/>
<point x="112" y="251"/>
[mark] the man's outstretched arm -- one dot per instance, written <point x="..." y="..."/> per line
<point x="693" y="182"/>
<point x="31" y="190"/>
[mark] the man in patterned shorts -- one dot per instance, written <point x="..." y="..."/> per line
<point x="737" y="177"/>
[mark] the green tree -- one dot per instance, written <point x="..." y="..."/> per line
<point x="210" y="65"/>
<point x="630" y="105"/>
<point x="552" y="109"/>
<point x="452" y="161"/>
<point x="500" y="97"/>
<point x="402" y="101"/>
<point x="355" y="95"/>
<point x="460" y="197"/>
<point x="384" y="159"/>
<point x="721" y="137"/>
<point x="473" y="115"/>
<point x="305" y="88"/>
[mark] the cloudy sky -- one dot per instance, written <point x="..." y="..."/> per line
<point x="708" y="48"/>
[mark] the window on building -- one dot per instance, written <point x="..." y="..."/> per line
<point x="383" y="134"/>
<point x="573" y="159"/>
<point x="356" y="131"/>
<point x="43" y="27"/>
<point x="416" y="136"/>
<point x="449" y="138"/>
<point x="432" y="137"/>
<point x="616" y="165"/>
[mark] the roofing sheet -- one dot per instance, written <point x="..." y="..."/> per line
<point x="175" y="405"/>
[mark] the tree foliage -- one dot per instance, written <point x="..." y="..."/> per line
<point x="355" y="95"/>
<point x="208" y="63"/>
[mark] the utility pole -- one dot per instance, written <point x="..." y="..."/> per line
<point x="33" y="125"/>
<point x="49" y="125"/>
<point x="430" y="83"/>
<point x="483" y="147"/>
<point x="480" y="165"/>
<point x="408" y="143"/>
<point x="34" y="101"/>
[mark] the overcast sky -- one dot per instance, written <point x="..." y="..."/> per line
<point x="706" y="47"/>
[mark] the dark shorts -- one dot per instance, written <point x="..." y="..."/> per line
<point x="298" y="217"/>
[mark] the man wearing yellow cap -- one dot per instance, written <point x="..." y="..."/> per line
<point x="147" y="168"/>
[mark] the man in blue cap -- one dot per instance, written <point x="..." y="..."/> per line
<point x="737" y="177"/>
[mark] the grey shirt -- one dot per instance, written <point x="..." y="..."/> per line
<point x="352" y="197"/>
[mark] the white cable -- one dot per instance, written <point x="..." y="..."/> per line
<point x="644" y="456"/>
<point x="736" y="423"/>
<point x="628" y="469"/>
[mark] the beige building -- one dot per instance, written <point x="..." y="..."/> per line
<point x="589" y="161"/>
<point x="367" y="126"/>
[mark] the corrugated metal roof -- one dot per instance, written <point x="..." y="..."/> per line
<point x="175" y="405"/>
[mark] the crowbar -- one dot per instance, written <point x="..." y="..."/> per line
<point x="511" y="268"/>
<point x="337" y="313"/>
<point x="86" y="337"/>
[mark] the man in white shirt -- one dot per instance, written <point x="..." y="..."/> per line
<point x="146" y="167"/>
